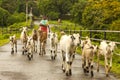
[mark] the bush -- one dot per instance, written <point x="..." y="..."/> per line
<point x="3" y="17"/>
<point x="16" y="18"/>
<point x="6" y="36"/>
<point x="53" y="15"/>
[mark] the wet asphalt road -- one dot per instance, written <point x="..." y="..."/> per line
<point x="17" y="67"/>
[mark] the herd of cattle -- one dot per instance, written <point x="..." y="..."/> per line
<point x="36" y="43"/>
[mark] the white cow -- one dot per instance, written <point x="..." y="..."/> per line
<point x="68" y="45"/>
<point x="23" y="38"/>
<point x="35" y="39"/>
<point x="88" y="52"/>
<point x="30" y="47"/>
<point x="107" y="51"/>
<point x="53" y="38"/>
<point x="13" y="42"/>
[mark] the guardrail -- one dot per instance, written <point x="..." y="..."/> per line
<point x="9" y="30"/>
<point x="106" y="34"/>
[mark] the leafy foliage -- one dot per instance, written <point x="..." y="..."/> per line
<point x="16" y="18"/>
<point x="3" y="16"/>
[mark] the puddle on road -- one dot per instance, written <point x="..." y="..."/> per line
<point x="14" y="75"/>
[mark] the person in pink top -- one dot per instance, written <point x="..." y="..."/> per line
<point x="44" y="25"/>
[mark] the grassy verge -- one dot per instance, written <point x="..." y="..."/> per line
<point x="3" y="42"/>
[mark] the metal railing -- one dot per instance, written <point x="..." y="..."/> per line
<point x="106" y="35"/>
<point x="9" y="31"/>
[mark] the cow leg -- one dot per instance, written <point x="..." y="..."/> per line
<point x="16" y="47"/>
<point x="56" y="50"/>
<point x="91" y="67"/>
<point x="44" y="46"/>
<point x="110" y="64"/>
<point x="54" y="54"/>
<point x="51" y="54"/>
<point x="29" y="56"/>
<point x="106" y="66"/>
<point x="35" y="48"/>
<point x="98" y="56"/>
<point x="83" y="64"/>
<point x="40" y="49"/>
<point x="87" y="67"/>
<point x="63" y="61"/>
<point x="71" y="60"/>
<point x="12" y="51"/>
<point x="23" y="50"/>
<point x="67" y="63"/>
<point x="67" y="68"/>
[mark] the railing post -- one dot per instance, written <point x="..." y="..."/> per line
<point x="80" y="34"/>
<point x="104" y="35"/>
<point x="2" y="30"/>
<point x="69" y="31"/>
<point x="16" y="30"/>
<point x="90" y="34"/>
<point x="74" y="30"/>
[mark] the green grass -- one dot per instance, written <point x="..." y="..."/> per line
<point x="3" y="42"/>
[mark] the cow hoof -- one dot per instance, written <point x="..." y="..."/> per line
<point x="52" y="57"/>
<point x="84" y="70"/>
<point x="67" y="74"/>
<point x="39" y="53"/>
<point x="29" y="57"/>
<point x="32" y="56"/>
<point x="107" y="75"/>
<point x="97" y="70"/>
<point x="12" y="52"/>
<point x="63" y="70"/>
<point x="73" y="56"/>
<point x="70" y="72"/>
<point x="92" y="74"/>
<point x="22" y="52"/>
<point x="82" y="65"/>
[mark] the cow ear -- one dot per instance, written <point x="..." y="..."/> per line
<point x="54" y="35"/>
<point x="20" y="29"/>
<point x="48" y="35"/>
<point x="72" y="37"/>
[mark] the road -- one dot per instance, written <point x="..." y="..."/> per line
<point x="17" y="67"/>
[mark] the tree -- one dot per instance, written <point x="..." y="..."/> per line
<point x="100" y="14"/>
<point x="9" y="5"/>
<point x="77" y="10"/>
<point x="3" y="17"/>
<point x="58" y="7"/>
<point x="16" y="18"/>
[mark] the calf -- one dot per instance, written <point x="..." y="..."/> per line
<point x="107" y="51"/>
<point x="88" y="52"/>
<point x="23" y="38"/>
<point x="30" y="47"/>
<point x="68" y="45"/>
<point x="13" y="42"/>
<point x="53" y="44"/>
